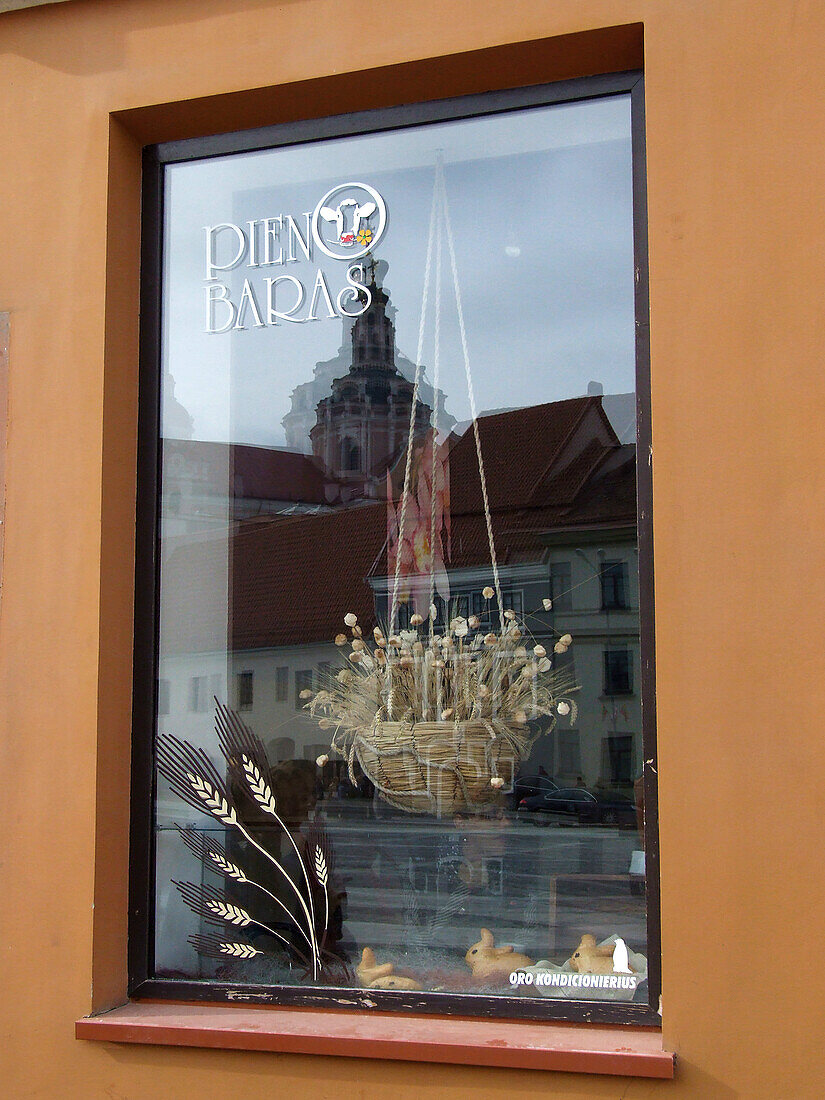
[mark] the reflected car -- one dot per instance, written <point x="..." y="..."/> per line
<point x="529" y="786"/>
<point x="577" y="806"/>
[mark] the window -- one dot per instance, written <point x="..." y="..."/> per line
<point x="245" y="686"/>
<point x="387" y="534"/>
<point x="561" y="586"/>
<point x="198" y="694"/>
<point x="619" y="758"/>
<point x="618" y="672"/>
<point x="304" y="682"/>
<point x="164" y="696"/>
<point x="613" y="579"/>
<point x="511" y="598"/>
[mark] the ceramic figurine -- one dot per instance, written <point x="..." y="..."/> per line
<point x="369" y="971"/>
<point x="394" y="981"/>
<point x="590" y="959"/>
<point x="488" y="961"/>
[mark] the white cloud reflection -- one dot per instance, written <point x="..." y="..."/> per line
<point x="541" y="209"/>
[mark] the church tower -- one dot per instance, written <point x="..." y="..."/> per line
<point x="362" y="425"/>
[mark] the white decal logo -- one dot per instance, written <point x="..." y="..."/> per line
<point x="352" y="226"/>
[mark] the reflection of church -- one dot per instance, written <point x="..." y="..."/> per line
<point x="354" y="414"/>
<point x="362" y="424"/>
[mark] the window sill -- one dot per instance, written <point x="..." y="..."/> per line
<point x="621" y="1051"/>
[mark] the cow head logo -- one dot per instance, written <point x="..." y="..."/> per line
<point x="349" y="220"/>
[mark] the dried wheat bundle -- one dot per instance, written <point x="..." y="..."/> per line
<point x="440" y="721"/>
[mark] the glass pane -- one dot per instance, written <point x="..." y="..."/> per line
<point x="399" y="724"/>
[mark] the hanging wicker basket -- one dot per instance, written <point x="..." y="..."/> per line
<point x="482" y="682"/>
<point x="440" y="768"/>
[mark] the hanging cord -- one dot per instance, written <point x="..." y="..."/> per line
<point x="411" y="434"/>
<point x="442" y="216"/>
<point x="459" y="310"/>
<point x="436" y="380"/>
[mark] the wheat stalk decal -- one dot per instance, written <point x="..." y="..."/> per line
<point x="219" y="948"/>
<point x="321" y="867"/>
<point x="194" y="778"/>
<point x="212" y="799"/>
<point x="230" y="869"/>
<point x="239" y="950"/>
<point x="233" y="914"/>
<point x="210" y="852"/>
<point x="322" y="876"/>
<point x="210" y="904"/>
<point x="261" y="791"/>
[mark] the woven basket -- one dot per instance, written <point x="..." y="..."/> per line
<point x="439" y="767"/>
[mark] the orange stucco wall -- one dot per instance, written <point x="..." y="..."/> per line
<point x="736" y="170"/>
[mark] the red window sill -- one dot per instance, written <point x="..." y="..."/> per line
<point x="588" y="1048"/>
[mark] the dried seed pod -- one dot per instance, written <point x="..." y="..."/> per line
<point x="416" y="620"/>
<point x="340" y="639"/>
<point x="497" y="782"/>
<point x="350" y="619"/>
<point x="474" y="622"/>
<point x="509" y="615"/>
<point x="357" y="645"/>
<point x="446" y="714"/>
<point x="490" y="639"/>
<point x="306" y="694"/>
<point x="563" y="708"/>
<point x="545" y="664"/>
<point x="418" y="648"/>
<point x="539" y="651"/>
<point x="566" y="639"/>
<point x="394" y="640"/>
<point x="487" y="593"/>
<point x="520" y="652"/>
<point x="548" y="604"/>
<point x="355" y="656"/>
<point x="322" y="759"/>
<point x="559" y="647"/>
<point x="357" y="632"/>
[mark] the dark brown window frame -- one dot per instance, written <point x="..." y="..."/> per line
<point x="142" y="983"/>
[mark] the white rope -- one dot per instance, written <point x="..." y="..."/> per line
<point x="410" y="435"/>
<point x="436" y="215"/>
<point x="468" y="373"/>
<point x="436" y="380"/>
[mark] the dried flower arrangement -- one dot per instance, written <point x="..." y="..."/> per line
<point x="439" y="722"/>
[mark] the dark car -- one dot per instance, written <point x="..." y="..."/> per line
<point x="577" y="806"/>
<point x="528" y="786"/>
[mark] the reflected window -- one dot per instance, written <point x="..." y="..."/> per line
<point x="613" y="578"/>
<point x="281" y="683"/>
<point x="561" y="585"/>
<point x="164" y="697"/>
<point x="618" y="672"/>
<point x="245" y="688"/>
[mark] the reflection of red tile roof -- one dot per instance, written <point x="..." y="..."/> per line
<point x="255" y="473"/>
<point x="519" y="448"/>
<point x="294" y="577"/>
